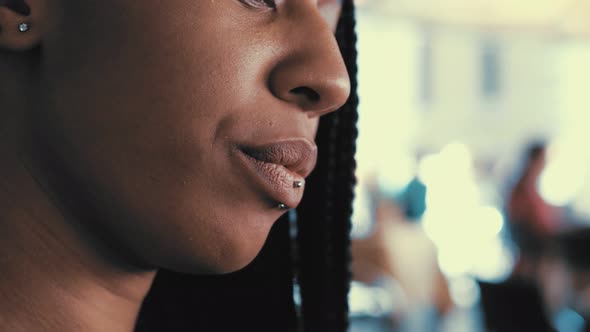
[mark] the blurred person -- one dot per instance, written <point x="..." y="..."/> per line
<point x="563" y="282"/>
<point x="531" y="219"/>
<point x="541" y="280"/>
<point x="148" y="149"/>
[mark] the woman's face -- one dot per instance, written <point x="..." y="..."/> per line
<point x="186" y="123"/>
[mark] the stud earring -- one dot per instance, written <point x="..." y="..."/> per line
<point x="297" y="184"/>
<point x="23" y="27"/>
<point x="282" y="206"/>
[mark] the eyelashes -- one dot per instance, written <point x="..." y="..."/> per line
<point x="260" y="4"/>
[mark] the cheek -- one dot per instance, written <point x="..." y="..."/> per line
<point x="127" y="80"/>
<point x="134" y="116"/>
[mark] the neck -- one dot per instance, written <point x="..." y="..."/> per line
<point x="54" y="277"/>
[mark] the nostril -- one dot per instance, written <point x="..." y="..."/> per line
<point x="308" y="93"/>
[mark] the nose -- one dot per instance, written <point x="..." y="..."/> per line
<point x="311" y="74"/>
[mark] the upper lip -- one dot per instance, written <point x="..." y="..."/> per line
<point x="297" y="155"/>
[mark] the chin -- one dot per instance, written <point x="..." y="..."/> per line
<point x="226" y="260"/>
<point x="225" y="249"/>
<point x="235" y="260"/>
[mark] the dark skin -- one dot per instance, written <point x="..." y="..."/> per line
<point x="116" y="143"/>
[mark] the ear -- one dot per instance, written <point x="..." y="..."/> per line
<point x="21" y="24"/>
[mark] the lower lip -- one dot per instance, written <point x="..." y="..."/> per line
<point x="275" y="180"/>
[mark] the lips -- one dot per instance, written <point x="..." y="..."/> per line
<point x="277" y="166"/>
<point x="299" y="156"/>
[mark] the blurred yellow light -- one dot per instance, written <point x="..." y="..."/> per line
<point x="553" y="16"/>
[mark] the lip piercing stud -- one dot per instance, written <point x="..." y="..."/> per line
<point x="23" y="27"/>
<point x="282" y="206"/>
<point x="297" y="184"/>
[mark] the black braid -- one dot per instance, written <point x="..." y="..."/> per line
<point x="324" y="225"/>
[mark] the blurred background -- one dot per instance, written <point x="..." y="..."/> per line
<point x="473" y="200"/>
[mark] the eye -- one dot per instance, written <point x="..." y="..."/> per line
<point x="261" y="4"/>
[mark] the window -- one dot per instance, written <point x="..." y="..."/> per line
<point x="490" y="70"/>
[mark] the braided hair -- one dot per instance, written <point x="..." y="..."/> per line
<point x="260" y="297"/>
<point x="324" y="214"/>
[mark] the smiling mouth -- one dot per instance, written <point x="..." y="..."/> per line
<point x="279" y="168"/>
